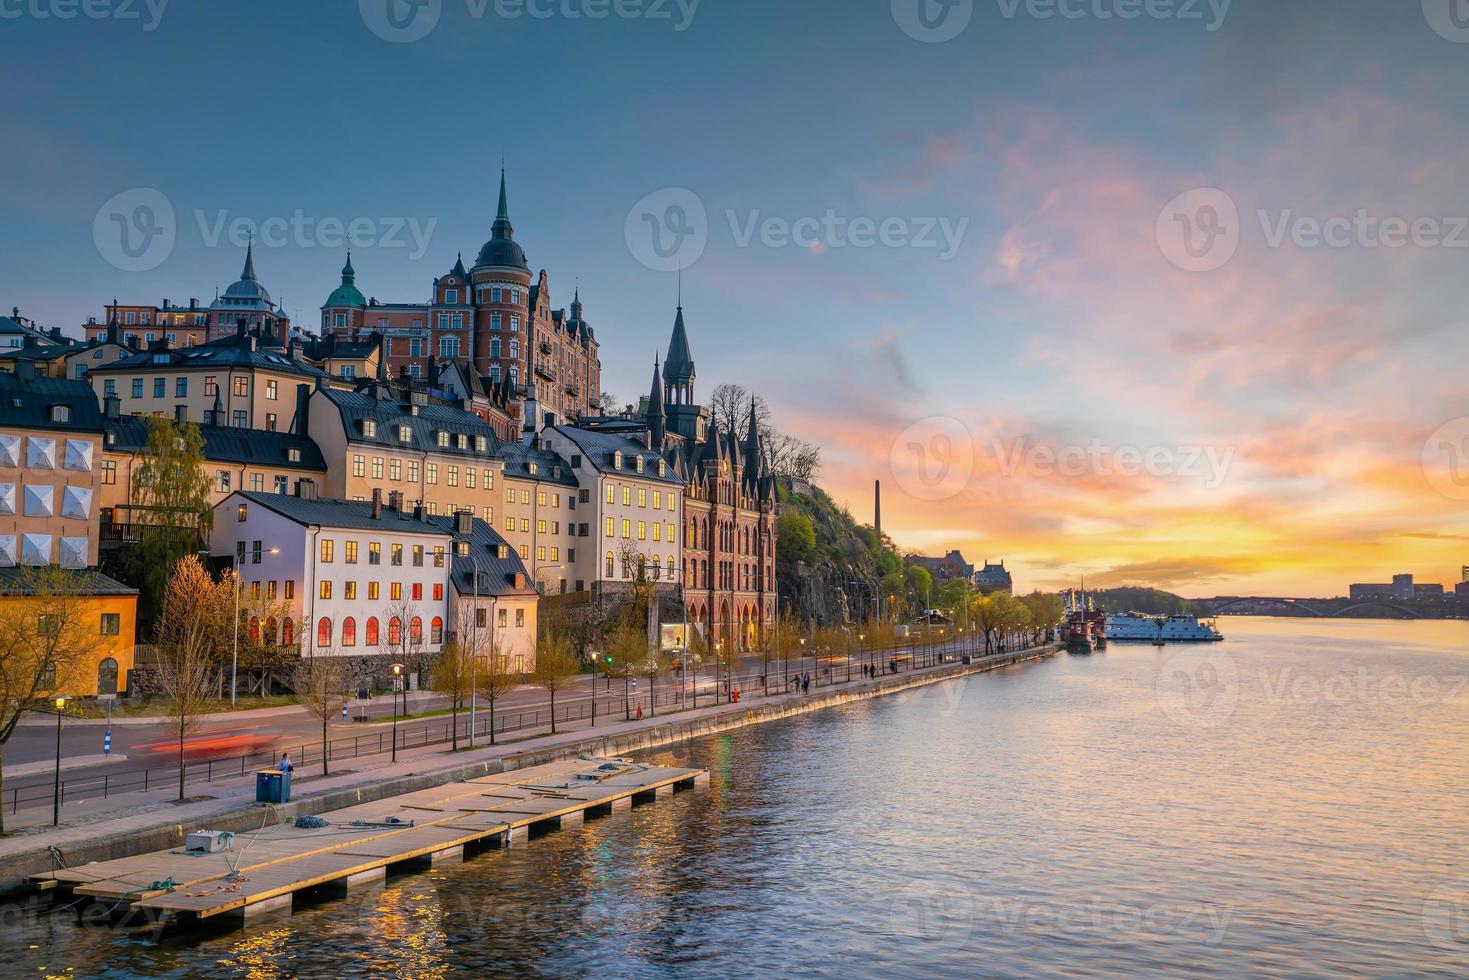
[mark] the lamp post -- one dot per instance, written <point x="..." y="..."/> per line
<point x="397" y="672"/>
<point x="473" y="648"/>
<point x="235" y="557"/>
<point x="56" y="789"/>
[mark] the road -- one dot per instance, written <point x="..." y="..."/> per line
<point x="222" y="736"/>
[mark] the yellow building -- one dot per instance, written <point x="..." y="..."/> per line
<point x="90" y="624"/>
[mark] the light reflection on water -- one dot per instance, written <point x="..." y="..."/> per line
<point x="1290" y="802"/>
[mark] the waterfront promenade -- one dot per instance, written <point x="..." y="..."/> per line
<point x="103" y="829"/>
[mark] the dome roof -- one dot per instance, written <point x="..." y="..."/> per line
<point x="501" y="249"/>
<point x="247" y="288"/>
<point x="347" y="294"/>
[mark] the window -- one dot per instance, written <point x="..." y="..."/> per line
<point x="372" y="591"/>
<point x="436" y="631"/>
<point x="374" y="553"/>
<point x="395" y="591"/>
<point x="369" y="428"/>
<point x="501" y="619"/>
<point x="412" y="471"/>
<point x="242" y="512"/>
<point x="211" y="385"/>
<point x="349" y="632"/>
<point x="109" y="387"/>
<point x="290" y="591"/>
<point x="611" y="494"/>
<point x="396" y="556"/>
<point x="370" y="633"/>
<point x="471" y="475"/>
<point x="181" y="387"/>
<point x="608" y="571"/>
<point x="377" y="467"/>
<point x="257" y="482"/>
<point x="416" y="591"/>
<point x="627" y="496"/>
<point x="448" y="347"/>
<point x="222" y="479"/>
<point x="350" y="552"/>
<point x="626" y="528"/>
<point x="642" y="496"/>
<point x="110" y="625"/>
<point x="642" y="530"/>
<point x="349" y="590"/>
<point x="270" y="422"/>
<point x="415" y="630"/>
<point x="510" y="495"/>
<point x="431" y="473"/>
<point x="395" y="469"/>
<point x="270" y="590"/>
<point x="272" y="390"/>
<point x="418" y="556"/>
<point x="359" y="466"/>
<point x="324" y="632"/>
<point x="327" y="547"/>
<point x="137" y="387"/>
<point x="520" y="618"/>
<point x="442" y="438"/>
<point x="242" y="388"/>
<point x="405" y="433"/>
<point x="257" y="549"/>
<point x="395" y="631"/>
<point x="438" y="592"/>
<point x="452" y="473"/>
<point x="240" y="417"/>
<point x="280" y="484"/>
<point x="109" y="472"/>
<point x="158" y="386"/>
<point x="611" y="527"/>
<point x="326" y="588"/>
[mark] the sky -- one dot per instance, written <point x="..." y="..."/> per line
<point x="1155" y="292"/>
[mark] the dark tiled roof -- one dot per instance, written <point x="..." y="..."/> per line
<point x="40" y="352"/>
<point x="550" y="468"/>
<point x="16" y="581"/>
<point x="214" y="354"/>
<point x="225" y="444"/>
<point x="328" y="512"/>
<point x="600" y="449"/>
<point x="497" y="574"/>
<point x="27" y="403"/>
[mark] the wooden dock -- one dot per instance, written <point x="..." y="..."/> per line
<point x="263" y="870"/>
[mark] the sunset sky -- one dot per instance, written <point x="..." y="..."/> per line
<point x="1045" y="385"/>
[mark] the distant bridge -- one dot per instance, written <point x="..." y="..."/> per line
<point x="1324" y="608"/>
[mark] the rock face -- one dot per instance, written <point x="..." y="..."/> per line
<point x="838" y="585"/>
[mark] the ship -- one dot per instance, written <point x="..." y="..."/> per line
<point x="1085" y="629"/>
<point x="1178" y="628"/>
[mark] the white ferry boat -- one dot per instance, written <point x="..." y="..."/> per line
<point x="1167" y="629"/>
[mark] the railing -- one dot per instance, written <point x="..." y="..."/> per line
<point x="780" y="677"/>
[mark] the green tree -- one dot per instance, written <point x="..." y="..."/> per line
<point x="453" y="675"/>
<point x="492" y="677"/>
<point x="921" y="582"/>
<point x="170" y="511"/>
<point x="557" y="667"/>
<point x="797" y="537"/>
<point x="626" y="647"/>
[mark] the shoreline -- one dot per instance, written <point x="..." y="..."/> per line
<point x="151" y="831"/>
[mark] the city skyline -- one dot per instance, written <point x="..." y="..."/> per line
<point x="1036" y="368"/>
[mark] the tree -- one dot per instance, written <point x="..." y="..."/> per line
<point x="626" y="648"/>
<point x="48" y="637"/>
<point x="697" y="651"/>
<point x="557" y="667"/>
<point x="787" y="647"/>
<point x="185" y="633"/>
<point x="650" y="667"/>
<point x="921" y="582"/>
<point x="260" y="650"/>
<point x="322" y="680"/>
<point x="453" y="674"/>
<point x="399" y="642"/>
<point x="170" y="511"/>
<point x="797" y="537"/>
<point x="492" y="678"/>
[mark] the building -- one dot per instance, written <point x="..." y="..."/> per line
<point x="15" y="329"/>
<point x="374" y="579"/>
<point x="630" y="510"/>
<point x="729" y="533"/>
<point x="993" y="578"/>
<point x="951" y="566"/>
<point x="140" y="325"/>
<point x="107" y="607"/>
<point x="1402" y="586"/>
<point x="234" y="459"/>
<point x="1462" y="590"/>
<point x="495" y="315"/>
<point x="50" y="448"/>
<point x="247" y="380"/>
<point x="1428" y="591"/>
<point x="1368" y="591"/>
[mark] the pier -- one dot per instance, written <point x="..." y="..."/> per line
<point x="262" y="871"/>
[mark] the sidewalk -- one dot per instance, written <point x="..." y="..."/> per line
<point x="94" y="829"/>
<point x="416" y="700"/>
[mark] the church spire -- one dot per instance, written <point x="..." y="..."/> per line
<point x="349" y="275"/>
<point x="249" y="273"/>
<point x="657" y="427"/>
<point x="678" y="370"/>
<point x="502" y="228"/>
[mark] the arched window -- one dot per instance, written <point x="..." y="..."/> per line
<point x="107" y="676"/>
<point x="324" y="632"/>
<point x="270" y="631"/>
<point x="371" y="638"/>
<point x="436" y="631"/>
<point x="657" y="568"/>
<point x="415" y="630"/>
<point x="288" y="632"/>
<point x="349" y="632"/>
<point x="255" y="631"/>
<point x="395" y="631"/>
<point x="609" y="572"/>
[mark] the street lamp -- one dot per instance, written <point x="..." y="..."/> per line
<point x="56" y="790"/>
<point x="397" y="672"/>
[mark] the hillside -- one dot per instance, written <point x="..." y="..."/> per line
<point x="822" y="552"/>
<point x="1153" y="601"/>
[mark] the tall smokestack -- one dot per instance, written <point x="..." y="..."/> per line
<point x="877" y="508"/>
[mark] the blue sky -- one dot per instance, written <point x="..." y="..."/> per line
<point x="1051" y="142"/>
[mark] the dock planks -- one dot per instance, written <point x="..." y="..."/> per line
<point x="282" y="859"/>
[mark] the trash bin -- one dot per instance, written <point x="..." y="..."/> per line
<point x="272" y="786"/>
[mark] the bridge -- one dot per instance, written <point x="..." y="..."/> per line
<point x="1441" y="608"/>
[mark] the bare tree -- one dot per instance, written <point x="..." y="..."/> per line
<point x="48" y="637"/>
<point x="557" y="667"/>
<point x="626" y="648"/>
<point x="493" y="679"/>
<point x="186" y="633"/>
<point x="401" y="644"/>
<point x="322" y="681"/>
<point x="453" y="674"/>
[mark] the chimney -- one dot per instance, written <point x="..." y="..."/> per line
<point x="395" y="499"/>
<point x="377" y="503"/>
<point x="181" y="414"/>
<point x="306" y="489"/>
<point x="240" y="327"/>
<point x="56" y="333"/>
<point x="112" y="407"/>
<point x="166" y="304"/>
<point x="28" y="341"/>
<point x="464" y="523"/>
<point x="160" y="343"/>
<point x="418" y="511"/>
<point x="303" y="410"/>
<point x="193" y="302"/>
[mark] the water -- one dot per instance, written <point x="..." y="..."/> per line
<point x="1292" y="802"/>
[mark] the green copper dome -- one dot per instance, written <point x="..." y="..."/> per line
<point x="347" y="294"/>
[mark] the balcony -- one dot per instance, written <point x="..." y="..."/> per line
<point x="547" y="371"/>
<point x="573" y="389"/>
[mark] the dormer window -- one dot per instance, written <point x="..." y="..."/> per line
<point x="533" y="468"/>
<point x="617" y="460"/>
<point x="451" y="296"/>
<point x="463" y="441"/>
<point x="405" y="433"/>
<point x="461" y="548"/>
<point x="60" y="413"/>
<point x="293" y="455"/>
<point x="662" y="468"/>
<point x="638" y="464"/>
<point x="502" y="551"/>
<point x="369" y="428"/>
<point x="481" y="444"/>
<point x="443" y="438"/>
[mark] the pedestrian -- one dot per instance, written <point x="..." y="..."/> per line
<point x="286" y="762"/>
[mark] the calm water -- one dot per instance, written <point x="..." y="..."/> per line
<point x="1292" y="802"/>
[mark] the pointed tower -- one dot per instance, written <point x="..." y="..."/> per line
<point x="657" y="420"/>
<point x="345" y="299"/>
<point x="678" y="370"/>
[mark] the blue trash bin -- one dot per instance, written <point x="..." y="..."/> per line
<point x="272" y="786"/>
